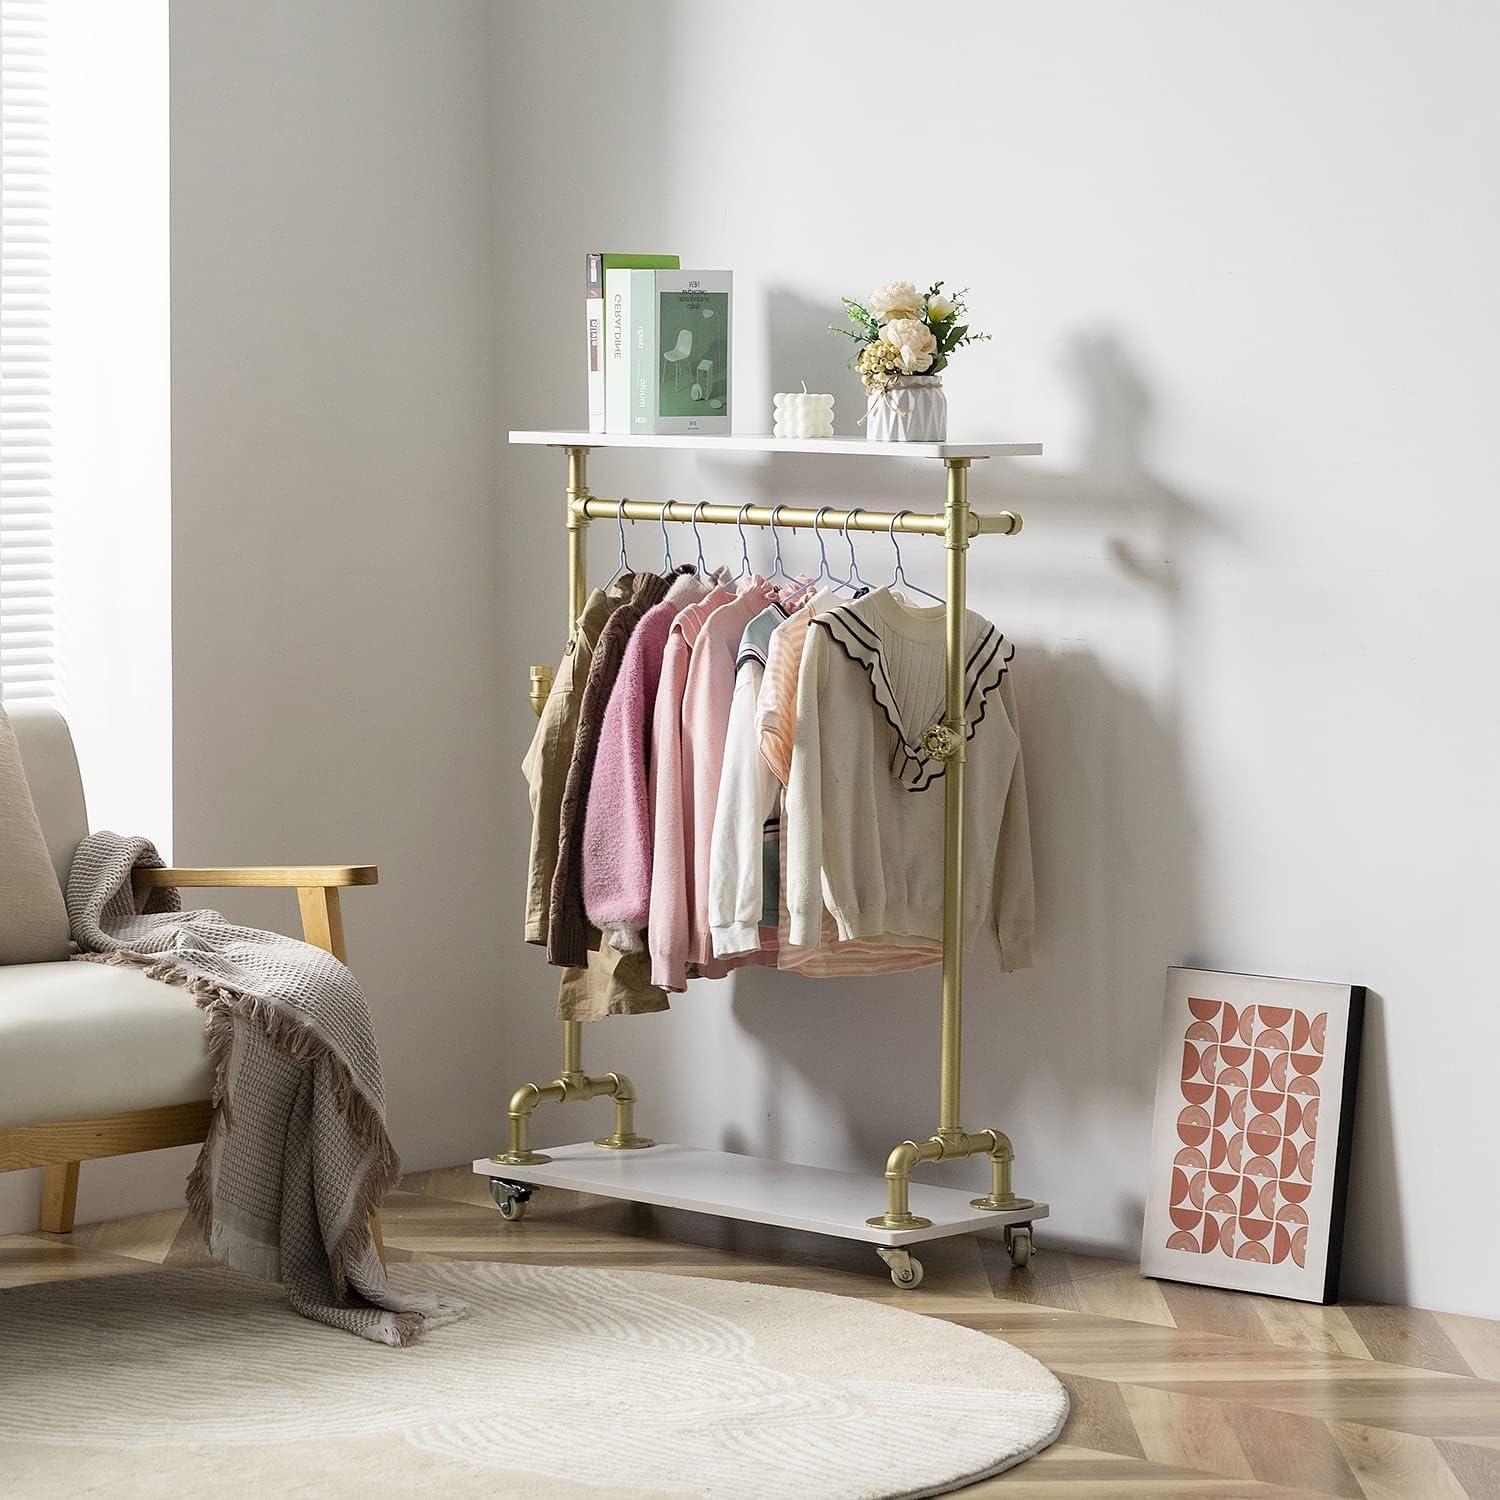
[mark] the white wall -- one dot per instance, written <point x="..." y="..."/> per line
<point x="1239" y="264"/>
<point x="336" y="622"/>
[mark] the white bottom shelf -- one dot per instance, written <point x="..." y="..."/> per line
<point x="751" y="1188"/>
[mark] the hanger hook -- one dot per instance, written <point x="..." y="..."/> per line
<point x="900" y="574"/>
<point x="823" y="568"/>
<point x="854" y="573"/>
<point x="777" y="571"/>
<point x="666" y="541"/>
<point x="624" y="562"/>
<point x="739" y="526"/>
<point x="698" y="537"/>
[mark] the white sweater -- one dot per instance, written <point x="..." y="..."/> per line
<point x="864" y="803"/>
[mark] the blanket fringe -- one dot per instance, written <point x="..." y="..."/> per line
<point x="222" y="1004"/>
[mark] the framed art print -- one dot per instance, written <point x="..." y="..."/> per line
<point x="1251" y="1137"/>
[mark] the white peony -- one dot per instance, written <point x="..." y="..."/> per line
<point x="915" y="341"/>
<point x="896" y="299"/>
<point x="940" y="307"/>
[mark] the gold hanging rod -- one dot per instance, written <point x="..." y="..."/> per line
<point x="826" y="518"/>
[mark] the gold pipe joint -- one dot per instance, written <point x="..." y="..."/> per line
<point x="571" y="1086"/>
<point x="898" y="1169"/>
<point x="947" y="1145"/>
<point x="541" y="687"/>
<point x="1001" y="1198"/>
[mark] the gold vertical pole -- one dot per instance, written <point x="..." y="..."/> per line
<point x="578" y="524"/>
<point x="578" y="567"/>
<point x="956" y="513"/>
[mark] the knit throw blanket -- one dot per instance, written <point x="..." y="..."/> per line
<point x="297" y="1157"/>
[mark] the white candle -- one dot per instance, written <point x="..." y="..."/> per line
<point x="801" y="414"/>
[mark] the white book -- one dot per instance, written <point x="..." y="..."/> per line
<point x="628" y="352"/>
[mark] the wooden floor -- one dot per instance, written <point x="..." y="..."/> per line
<point x="1177" y="1391"/>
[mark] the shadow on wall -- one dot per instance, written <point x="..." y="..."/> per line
<point x="1062" y="1057"/>
<point x="802" y="350"/>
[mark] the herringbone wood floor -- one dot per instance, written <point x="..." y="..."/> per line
<point x="1177" y="1391"/>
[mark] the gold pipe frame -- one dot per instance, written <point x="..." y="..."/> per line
<point x="958" y="525"/>
<point x="947" y="742"/>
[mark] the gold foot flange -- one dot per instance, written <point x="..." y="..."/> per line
<point x="899" y="1221"/>
<point x="1001" y="1203"/>
<point x="520" y="1159"/>
<point x="629" y="1142"/>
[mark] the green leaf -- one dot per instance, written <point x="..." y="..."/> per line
<point x="950" y="338"/>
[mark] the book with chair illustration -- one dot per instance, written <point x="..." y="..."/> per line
<point x="693" y="337"/>
<point x="668" y="341"/>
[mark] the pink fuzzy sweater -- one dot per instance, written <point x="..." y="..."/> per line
<point x="617" y="836"/>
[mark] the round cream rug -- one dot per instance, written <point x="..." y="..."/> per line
<point x="562" y="1382"/>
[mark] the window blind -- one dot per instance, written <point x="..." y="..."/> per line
<point x="28" y="654"/>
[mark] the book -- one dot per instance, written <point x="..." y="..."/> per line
<point x="596" y="264"/>
<point x="629" y="349"/>
<point x="691" y="350"/>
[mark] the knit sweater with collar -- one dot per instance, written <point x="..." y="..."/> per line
<point x="569" y="936"/>
<point x="864" y="800"/>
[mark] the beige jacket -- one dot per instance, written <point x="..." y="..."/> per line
<point x="609" y="985"/>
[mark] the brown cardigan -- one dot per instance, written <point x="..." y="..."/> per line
<point x="569" y="936"/>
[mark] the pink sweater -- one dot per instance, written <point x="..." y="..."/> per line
<point x="669" y="850"/>
<point x="617" y="835"/>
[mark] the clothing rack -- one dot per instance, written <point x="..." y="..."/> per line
<point x="750" y="1188"/>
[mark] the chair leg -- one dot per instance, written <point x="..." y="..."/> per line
<point x="59" y="1198"/>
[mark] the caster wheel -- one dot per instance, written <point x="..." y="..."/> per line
<point x="1018" y="1244"/>
<point x="910" y="1278"/>
<point x="510" y="1198"/>
<point x="906" y="1269"/>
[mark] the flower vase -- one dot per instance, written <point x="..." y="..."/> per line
<point x="913" y="410"/>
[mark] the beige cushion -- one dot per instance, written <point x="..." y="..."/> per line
<point x="52" y="774"/>
<point x="80" y="1039"/>
<point x="33" y="919"/>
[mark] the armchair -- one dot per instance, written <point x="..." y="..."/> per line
<point x="97" y="1060"/>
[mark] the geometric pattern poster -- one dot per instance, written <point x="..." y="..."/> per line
<point x="1251" y="1135"/>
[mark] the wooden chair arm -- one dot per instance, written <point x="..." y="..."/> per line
<point x="293" y="877"/>
<point x="316" y="887"/>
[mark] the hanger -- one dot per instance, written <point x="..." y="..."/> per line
<point x="900" y="574"/>
<point x="624" y="562"/>
<point x="777" y="568"/>
<point x="854" y="580"/>
<point x="666" y="541"/>
<point x="824" y="571"/>
<point x="739" y="525"/>
<point x="703" y="568"/>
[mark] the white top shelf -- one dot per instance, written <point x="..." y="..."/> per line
<point x="760" y="442"/>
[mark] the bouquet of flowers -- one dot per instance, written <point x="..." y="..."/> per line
<point x="900" y="331"/>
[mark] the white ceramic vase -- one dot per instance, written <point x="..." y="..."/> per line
<point x="914" y="410"/>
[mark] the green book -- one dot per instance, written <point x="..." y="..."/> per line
<point x="692" y="349"/>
